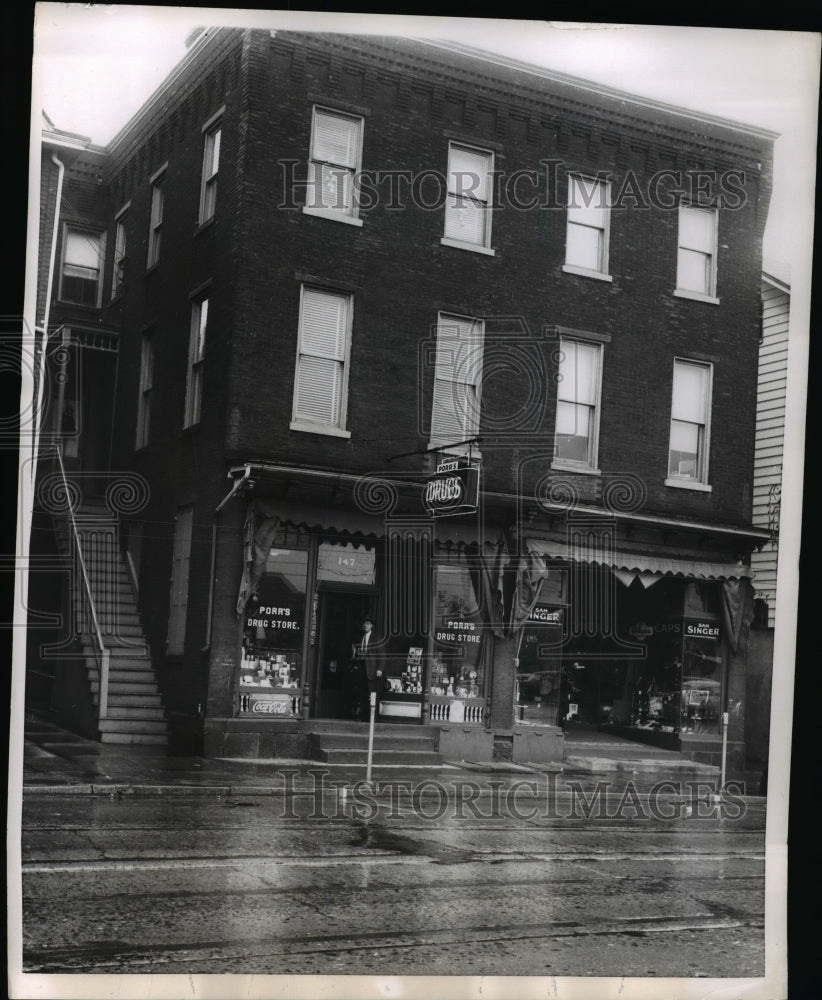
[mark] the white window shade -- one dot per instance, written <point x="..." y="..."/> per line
<point x="320" y="380"/>
<point x="579" y="374"/>
<point x="587" y="202"/>
<point x="455" y="413"/>
<point x="465" y="220"/>
<point x="690" y="393"/>
<point x="468" y="173"/>
<point x="583" y="247"/>
<point x="696" y="229"/>
<point x="336" y="139"/>
<point x="82" y="253"/>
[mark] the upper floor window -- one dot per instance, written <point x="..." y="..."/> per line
<point x="144" y="395"/>
<point x="156" y="223"/>
<point x="455" y="414"/>
<point x="196" y="358"/>
<point x="81" y="274"/>
<point x="696" y="255"/>
<point x="336" y="147"/>
<point x="576" y="438"/>
<point x="468" y="208"/>
<point x="211" y="165"/>
<point x="323" y="348"/>
<point x="118" y="272"/>
<point x="586" y="242"/>
<point x="690" y="424"/>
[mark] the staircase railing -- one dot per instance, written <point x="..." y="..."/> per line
<point x="101" y="653"/>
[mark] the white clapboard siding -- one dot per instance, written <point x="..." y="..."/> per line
<point x="770" y="430"/>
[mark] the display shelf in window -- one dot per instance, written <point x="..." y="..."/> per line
<point x="270" y="683"/>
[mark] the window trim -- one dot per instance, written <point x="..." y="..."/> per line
<point x="351" y="218"/>
<point x="461" y="449"/>
<point x="682" y="292"/>
<point x="301" y="423"/>
<point x="100" y="234"/>
<point x="155" y="225"/>
<point x="590" y="467"/>
<point x="118" y="287"/>
<point x="569" y="267"/>
<point x="192" y="413"/>
<point x="145" y="390"/>
<point x="701" y="485"/>
<point x="208" y="130"/>
<point x="451" y="241"/>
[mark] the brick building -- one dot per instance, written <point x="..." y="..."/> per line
<point x="369" y="326"/>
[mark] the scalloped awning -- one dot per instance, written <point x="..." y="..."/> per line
<point x="648" y="568"/>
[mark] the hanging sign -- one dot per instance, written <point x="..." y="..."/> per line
<point x="544" y="615"/>
<point x="704" y="630"/>
<point x="453" y="489"/>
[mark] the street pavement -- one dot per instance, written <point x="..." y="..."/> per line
<point x="135" y="861"/>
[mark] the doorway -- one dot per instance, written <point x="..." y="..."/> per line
<point x="340" y="626"/>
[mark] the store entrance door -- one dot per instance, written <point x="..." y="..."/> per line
<point x="340" y="626"/>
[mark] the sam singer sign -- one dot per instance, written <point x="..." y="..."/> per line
<point x="453" y="489"/>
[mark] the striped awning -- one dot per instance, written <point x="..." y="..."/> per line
<point x="628" y="566"/>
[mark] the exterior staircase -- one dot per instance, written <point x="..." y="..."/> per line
<point x="404" y="748"/>
<point x="134" y="712"/>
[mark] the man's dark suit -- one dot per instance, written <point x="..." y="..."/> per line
<point x="366" y="664"/>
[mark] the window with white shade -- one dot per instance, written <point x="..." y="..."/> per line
<point x="144" y="396"/>
<point x="586" y="240"/>
<point x="336" y="144"/>
<point x="155" y="230"/>
<point x="118" y="273"/>
<point x="468" y="208"/>
<point x="196" y="360"/>
<point x="80" y="277"/>
<point x="576" y="436"/>
<point x="696" y="256"/>
<point x="211" y="165"/>
<point x="455" y="414"/>
<point x="321" y="378"/>
<point x="690" y="423"/>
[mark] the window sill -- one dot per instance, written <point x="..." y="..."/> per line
<point x="685" y="293"/>
<point x="584" y="470"/>
<point x="585" y="272"/>
<point x="446" y="241"/>
<point x="306" y="428"/>
<point x="687" y="484"/>
<point x="205" y="224"/>
<point x="327" y="213"/>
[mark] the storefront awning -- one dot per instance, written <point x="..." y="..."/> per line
<point x="628" y="566"/>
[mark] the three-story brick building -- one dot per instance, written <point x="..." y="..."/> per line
<point x="418" y="332"/>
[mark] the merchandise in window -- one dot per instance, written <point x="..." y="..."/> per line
<point x="457" y="673"/>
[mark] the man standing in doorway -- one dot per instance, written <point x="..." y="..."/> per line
<point x="365" y="663"/>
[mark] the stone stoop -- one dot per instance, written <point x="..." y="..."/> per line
<point x="389" y="748"/>
<point x="135" y="708"/>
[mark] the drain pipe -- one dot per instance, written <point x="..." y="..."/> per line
<point x="238" y="483"/>
<point x="43" y="330"/>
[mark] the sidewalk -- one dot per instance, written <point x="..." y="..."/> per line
<point x="57" y="762"/>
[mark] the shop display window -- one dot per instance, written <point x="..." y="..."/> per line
<point x="653" y="692"/>
<point x="457" y="673"/>
<point x="271" y="676"/>
<point x="701" y="684"/>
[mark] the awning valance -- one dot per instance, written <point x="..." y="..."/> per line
<point x="630" y="565"/>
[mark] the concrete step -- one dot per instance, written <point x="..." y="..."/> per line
<point x="408" y="758"/>
<point x="135" y="712"/>
<point x="127" y="676"/>
<point x="148" y="702"/>
<point x="151" y="726"/>
<point x="154" y="739"/>
<point x="136" y="689"/>
<point x="382" y="741"/>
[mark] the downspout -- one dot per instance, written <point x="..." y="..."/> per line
<point x="238" y="483"/>
<point x="44" y="329"/>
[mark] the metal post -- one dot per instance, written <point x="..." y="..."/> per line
<point x="724" y="748"/>
<point x="373" y="701"/>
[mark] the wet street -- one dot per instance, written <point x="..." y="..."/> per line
<point x="407" y="880"/>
